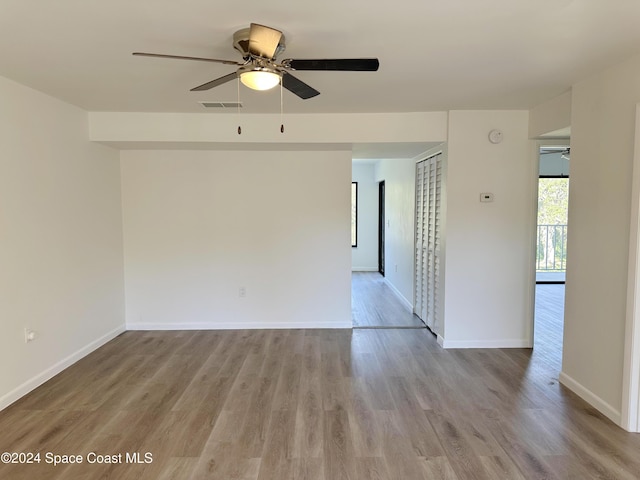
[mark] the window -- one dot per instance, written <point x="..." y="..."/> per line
<point x="553" y="205"/>
<point x="354" y="214"/>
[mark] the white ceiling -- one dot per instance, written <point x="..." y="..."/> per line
<point x="434" y="54"/>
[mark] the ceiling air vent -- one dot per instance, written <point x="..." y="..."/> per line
<point x="235" y="105"/>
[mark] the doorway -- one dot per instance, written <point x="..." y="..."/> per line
<point x="551" y="252"/>
<point x="375" y="304"/>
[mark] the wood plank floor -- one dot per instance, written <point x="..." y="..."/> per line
<point x="375" y="305"/>
<point x="313" y="404"/>
<point x="549" y="321"/>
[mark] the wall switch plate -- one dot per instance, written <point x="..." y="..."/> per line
<point x="242" y="292"/>
<point x="486" y="197"/>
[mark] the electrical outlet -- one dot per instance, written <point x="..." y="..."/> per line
<point x="242" y="292"/>
<point x="29" y="335"/>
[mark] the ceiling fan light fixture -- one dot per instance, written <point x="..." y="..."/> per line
<point x="260" y="78"/>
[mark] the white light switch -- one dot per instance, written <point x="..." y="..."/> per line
<point x="486" y="197"/>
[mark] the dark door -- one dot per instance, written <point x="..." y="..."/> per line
<point x="381" y="224"/>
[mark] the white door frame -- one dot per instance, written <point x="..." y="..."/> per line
<point x="630" y="418"/>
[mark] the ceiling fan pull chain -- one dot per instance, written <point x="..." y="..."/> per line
<point x="281" y="107"/>
<point x="238" y="106"/>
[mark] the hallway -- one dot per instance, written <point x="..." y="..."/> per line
<point x="375" y="305"/>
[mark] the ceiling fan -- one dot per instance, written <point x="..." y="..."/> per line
<point x="565" y="152"/>
<point x="259" y="70"/>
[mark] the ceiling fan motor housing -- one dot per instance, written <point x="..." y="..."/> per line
<point x="241" y="43"/>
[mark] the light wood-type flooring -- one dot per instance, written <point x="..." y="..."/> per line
<point x="314" y="404"/>
<point x="549" y="320"/>
<point x="375" y="305"/>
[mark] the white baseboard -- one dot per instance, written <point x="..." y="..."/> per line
<point x="591" y="398"/>
<point x="364" y="269"/>
<point x="236" y="325"/>
<point x="440" y="340"/>
<point x="407" y="303"/>
<point x="52" y="371"/>
<point x="507" y="343"/>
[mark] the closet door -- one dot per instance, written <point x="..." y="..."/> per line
<point x="433" y="274"/>
<point x="426" y="259"/>
<point x="428" y="221"/>
<point x="419" y="244"/>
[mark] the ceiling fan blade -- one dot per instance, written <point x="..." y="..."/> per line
<point x="552" y="151"/>
<point x="181" y="57"/>
<point x="215" y="83"/>
<point x="340" y="64"/>
<point x="263" y="41"/>
<point x="298" y="87"/>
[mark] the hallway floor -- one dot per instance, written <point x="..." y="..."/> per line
<point x="549" y="321"/>
<point x="375" y="305"/>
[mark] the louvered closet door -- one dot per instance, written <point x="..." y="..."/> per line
<point x="428" y="221"/>
<point x="435" y="198"/>
<point x="426" y="195"/>
<point x="419" y="236"/>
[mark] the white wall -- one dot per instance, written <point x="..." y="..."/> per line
<point x="262" y="131"/>
<point x="60" y="239"/>
<point x="630" y="414"/>
<point x="399" y="176"/>
<point x="199" y="225"/>
<point x="489" y="246"/>
<point x="602" y="142"/>
<point x="550" y="116"/>
<point x="364" y="257"/>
